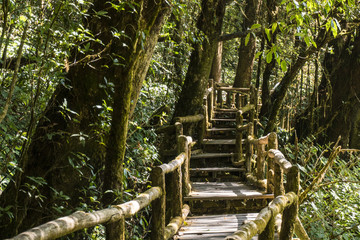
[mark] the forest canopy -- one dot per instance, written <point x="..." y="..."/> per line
<point x="86" y="84"/>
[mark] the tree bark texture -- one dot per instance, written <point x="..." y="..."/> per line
<point x="247" y="50"/>
<point x="339" y="102"/>
<point x="70" y="132"/>
<point x="209" y="25"/>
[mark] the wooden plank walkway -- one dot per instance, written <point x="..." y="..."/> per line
<point x="225" y="191"/>
<point x="213" y="227"/>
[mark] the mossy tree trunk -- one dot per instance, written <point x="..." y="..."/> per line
<point x="68" y="143"/>
<point x="209" y="25"/>
<point x="339" y="105"/>
<point x="128" y="81"/>
<point x="244" y="70"/>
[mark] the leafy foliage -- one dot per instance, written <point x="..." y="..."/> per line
<point x="331" y="210"/>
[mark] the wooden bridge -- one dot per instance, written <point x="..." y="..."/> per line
<point x="220" y="183"/>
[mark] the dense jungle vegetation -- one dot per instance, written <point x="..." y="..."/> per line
<point x="86" y="83"/>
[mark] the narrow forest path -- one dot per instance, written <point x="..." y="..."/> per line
<point x="220" y="201"/>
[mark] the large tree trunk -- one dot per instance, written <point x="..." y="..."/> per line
<point x="265" y="110"/>
<point x="128" y="81"/>
<point x="68" y="141"/>
<point x="247" y="50"/>
<point x="196" y="80"/>
<point x="339" y="110"/>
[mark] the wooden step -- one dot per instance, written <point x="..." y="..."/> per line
<point x="212" y="155"/>
<point x="218" y="169"/>
<point x="221" y="129"/>
<point x="221" y="141"/>
<point x="227" y="110"/>
<point x="214" y="227"/>
<point x="215" y="191"/>
<point x="223" y="120"/>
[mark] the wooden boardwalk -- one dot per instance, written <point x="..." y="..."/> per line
<point x="225" y="191"/>
<point x="219" y="201"/>
<point x="213" y="227"/>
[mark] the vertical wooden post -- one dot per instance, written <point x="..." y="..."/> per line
<point x="211" y="101"/>
<point x="239" y="136"/>
<point x="269" y="231"/>
<point x="260" y="169"/>
<point x="273" y="144"/>
<point x="233" y="100"/>
<point x="278" y="181"/>
<point x="158" y="205"/>
<point x="290" y="213"/>
<point x="203" y="126"/>
<point x="183" y="146"/>
<point x="219" y="98"/>
<point x="228" y="98"/>
<point x="249" y="148"/>
<point x="177" y="198"/>
<point x="179" y="129"/>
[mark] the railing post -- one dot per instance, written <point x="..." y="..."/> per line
<point x="228" y="98"/>
<point x="270" y="170"/>
<point x="202" y="128"/>
<point x="260" y="161"/>
<point x="159" y="205"/>
<point x="183" y="146"/>
<point x="177" y="196"/>
<point x="269" y="231"/>
<point x="211" y="101"/>
<point x="219" y="98"/>
<point x="249" y="148"/>
<point x="290" y="213"/>
<point x="179" y="129"/>
<point x="239" y="136"/>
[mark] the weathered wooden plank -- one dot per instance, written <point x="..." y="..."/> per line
<point x="224" y="191"/>
<point x="218" y="169"/>
<point x="213" y="226"/>
<point x="220" y="141"/>
<point x="212" y="155"/>
<point x="221" y="129"/>
<point x="224" y="119"/>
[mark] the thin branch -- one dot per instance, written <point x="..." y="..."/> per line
<point x="14" y="79"/>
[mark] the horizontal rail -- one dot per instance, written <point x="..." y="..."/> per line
<point x="233" y="89"/>
<point x="172" y="165"/>
<point x="190" y="119"/>
<point x="251" y="228"/>
<point x="279" y="158"/>
<point x="80" y="220"/>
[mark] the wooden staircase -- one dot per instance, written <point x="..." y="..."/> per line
<point x="219" y="201"/>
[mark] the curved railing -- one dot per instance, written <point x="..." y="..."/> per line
<point x="156" y="195"/>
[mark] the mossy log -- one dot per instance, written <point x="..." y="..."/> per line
<point x="290" y="214"/>
<point x="279" y="158"/>
<point x="190" y="119"/>
<point x="250" y="229"/>
<point x="165" y="129"/>
<point x="80" y="220"/>
<point x="173" y="227"/>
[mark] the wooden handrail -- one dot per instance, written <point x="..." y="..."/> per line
<point x="251" y="228"/>
<point x="190" y="119"/>
<point x="179" y="167"/>
<point x="80" y="220"/>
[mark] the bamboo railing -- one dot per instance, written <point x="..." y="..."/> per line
<point x="271" y="178"/>
<point x="156" y="195"/>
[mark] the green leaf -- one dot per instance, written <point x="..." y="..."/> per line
<point x="267" y="31"/>
<point x="283" y="65"/>
<point x="255" y="26"/>
<point x="273" y="27"/>
<point x="269" y="57"/>
<point x="258" y="54"/>
<point x="307" y="40"/>
<point x="351" y="3"/>
<point x="247" y="38"/>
